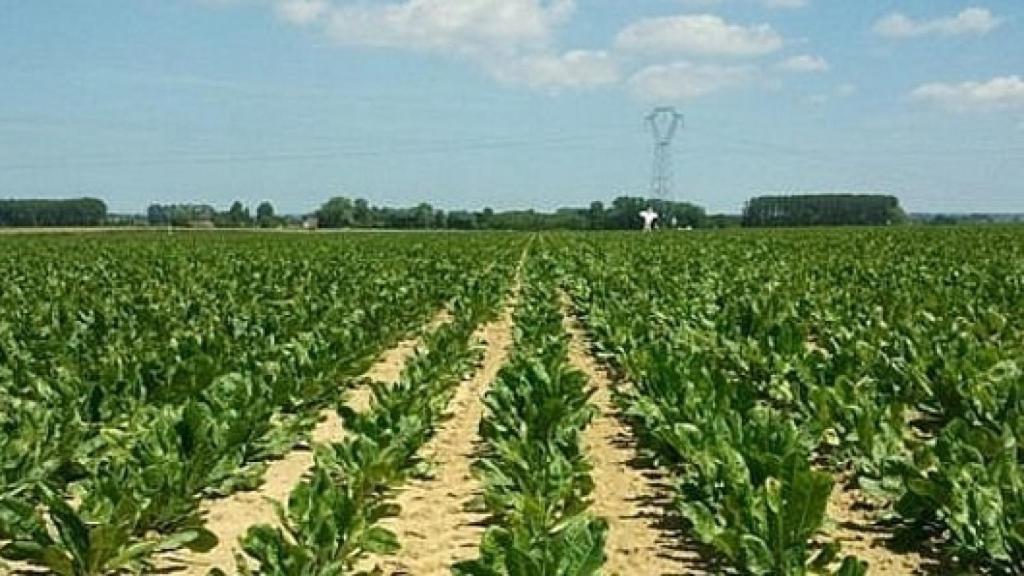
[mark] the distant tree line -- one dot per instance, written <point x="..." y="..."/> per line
<point x="823" y="210"/>
<point x="75" y="212"/>
<point x="204" y="215"/>
<point x="622" y="214"/>
<point x="341" y="212"/>
<point x="966" y="219"/>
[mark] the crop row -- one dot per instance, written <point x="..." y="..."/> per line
<point x="331" y="521"/>
<point x="766" y="371"/>
<point x="158" y="372"/>
<point x="761" y="363"/>
<point x="533" y="467"/>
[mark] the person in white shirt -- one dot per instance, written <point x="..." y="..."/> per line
<point x="650" y="217"/>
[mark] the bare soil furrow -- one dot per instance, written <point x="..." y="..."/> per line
<point x="439" y="524"/>
<point x="643" y="535"/>
<point x="229" y="518"/>
<point x="864" y="537"/>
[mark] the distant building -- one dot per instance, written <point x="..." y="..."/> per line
<point x="310" y="223"/>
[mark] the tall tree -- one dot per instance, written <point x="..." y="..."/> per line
<point x="338" y="212"/>
<point x="265" y="215"/>
<point x="823" y="210"/>
<point x="238" y="215"/>
<point x="362" y="216"/>
<point x="75" y="212"/>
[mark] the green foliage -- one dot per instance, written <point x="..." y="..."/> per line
<point x="574" y="548"/>
<point x="973" y="486"/>
<point x="766" y="529"/>
<point x="331" y="521"/>
<point x="265" y="215"/>
<point x="64" y="543"/>
<point x="534" y="470"/>
<point x="895" y="355"/>
<point x="623" y="214"/>
<point x="140" y="374"/>
<point x="823" y="210"/>
<point x="53" y="213"/>
<point x="182" y="215"/>
<point x="328" y="527"/>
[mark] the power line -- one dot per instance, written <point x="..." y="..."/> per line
<point x="449" y="147"/>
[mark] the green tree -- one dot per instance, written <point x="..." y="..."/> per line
<point x="77" y="212"/>
<point x="596" y="215"/>
<point x="338" y="212"/>
<point x="239" y="215"/>
<point x="180" y="214"/>
<point x="823" y="210"/>
<point x="265" y="215"/>
<point x="423" y="216"/>
<point x="362" y="215"/>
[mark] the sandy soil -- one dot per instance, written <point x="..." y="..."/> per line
<point x="438" y="526"/>
<point x="389" y="367"/>
<point x="231" y="517"/>
<point x="643" y="537"/>
<point x="863" y="537"/>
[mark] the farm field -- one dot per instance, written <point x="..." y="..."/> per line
<point x="752" y="402"/>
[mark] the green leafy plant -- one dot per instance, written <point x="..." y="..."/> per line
<point x="327" y="528"/>
<point x="332" y="521"/>
<point x="64" y="543"/>
<point x="973" y="487"/>
<point x="534" y="470"/>
<point x="574" y="548"/>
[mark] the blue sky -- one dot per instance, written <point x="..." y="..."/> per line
<point x="510" y="103"/>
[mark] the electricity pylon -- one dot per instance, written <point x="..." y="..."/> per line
<point x="664" y="124"/>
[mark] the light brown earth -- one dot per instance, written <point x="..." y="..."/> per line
<point x="438" y="525"/>
<point x="229" y="518"/>
<point x="634" y="501"/>
<point x="862" y="536"/>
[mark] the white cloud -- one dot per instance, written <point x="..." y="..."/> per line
<point x="971" y="21"/>
<point x="576" y="69"/>
<point x="467" y="26"/>
<point x="512" y="40"/>
<point x="773" y="4"/>
<point x="846" y="90"/>
<point x="1002" y="93"/>
<point x="784" y="3"/>
<point x="301" y="11"/>
<point x="698" y="3"/>
<point x="840" y="92"/>
<point x="805" y="63"/>
<point x="703" y="34"/>
<point x="515" y="41"/>
<point x="684" y="80"/>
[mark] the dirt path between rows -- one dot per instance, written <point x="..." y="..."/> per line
<point x="438" y="524"/>
<point x="863" y="537"/>
<point x="634" y="499"/>
<point x="229" y="518"/>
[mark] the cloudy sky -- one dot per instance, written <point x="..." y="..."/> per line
<point x="510" y="103"/>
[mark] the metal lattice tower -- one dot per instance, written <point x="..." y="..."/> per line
<point x="664" y="124"/>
